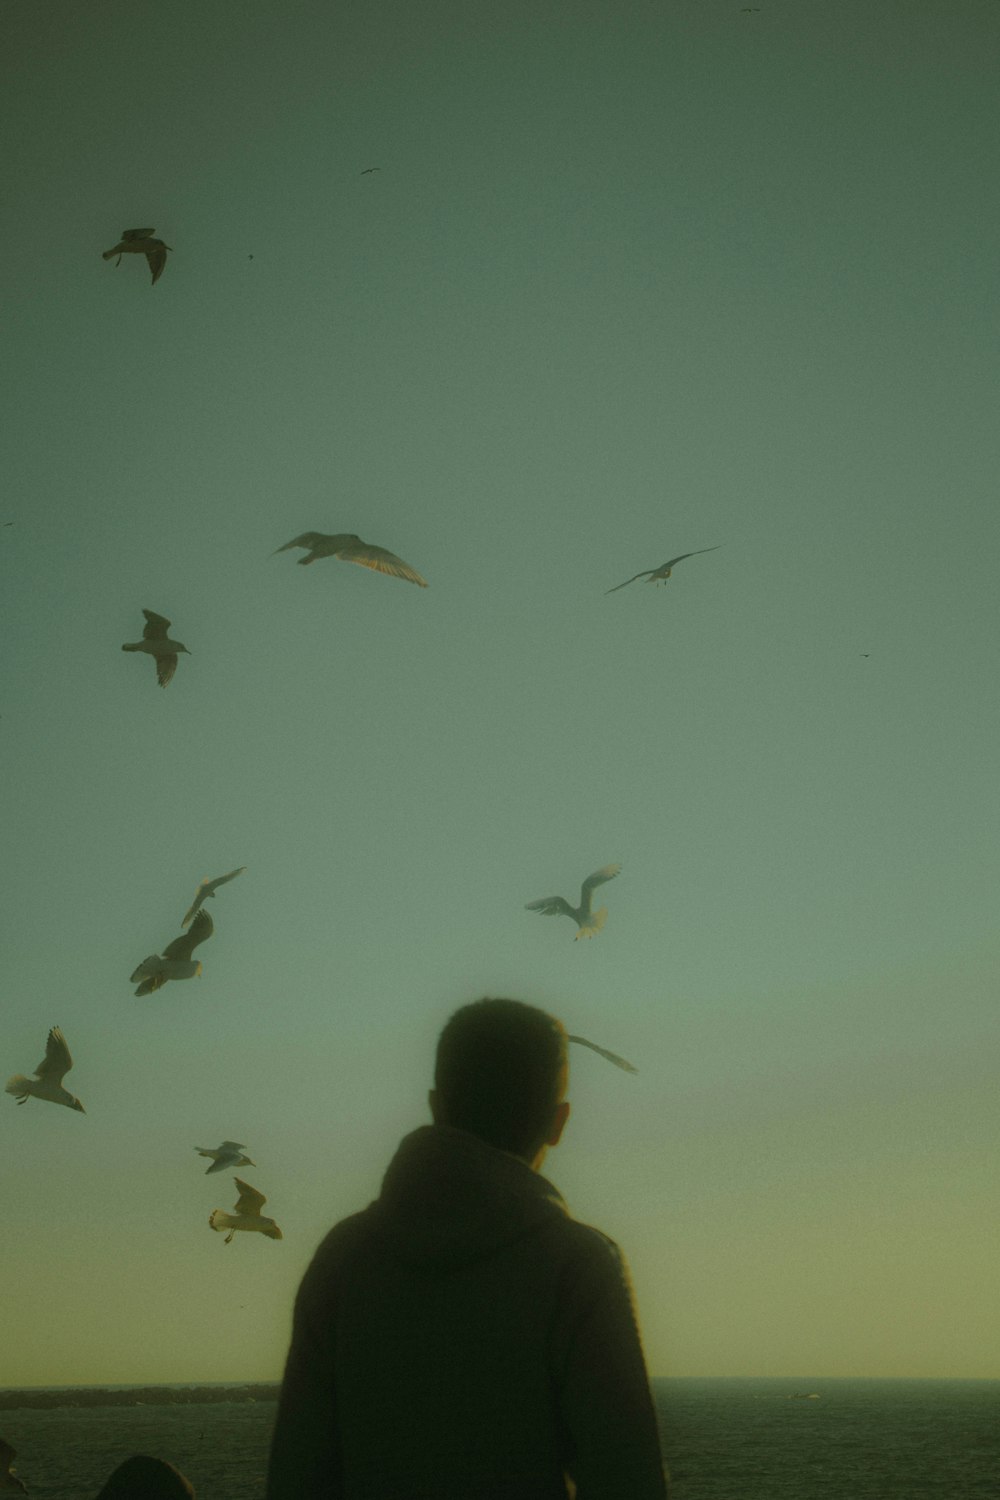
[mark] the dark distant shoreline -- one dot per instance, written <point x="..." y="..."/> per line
<point x="136" y="1395"/>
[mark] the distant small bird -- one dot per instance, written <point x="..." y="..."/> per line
<point x="660" y="575"/>
<point x="350" y="548"/>
<point x="9" y="1480"/>
<point x="50" y="1073"/>
<point x="226" y="1155"/>
<point x="175" y="962"/>
<point x="248" y="1215"/>
<point x="370" y="169"/>
<point x="613" y="1057"/>
<point x="156" y="642"/>
<point x="589" y="922"/>
<point x="208" y="888"/>
<point x="139" y="242"/>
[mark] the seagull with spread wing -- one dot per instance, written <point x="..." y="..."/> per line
<point x="247" y="1216"/>
<point x="157" y="643"/>
<point x="350" y="548"/>
<point x="175" y="962"/>
<point x="208" y="888"/>
<point x="661" y="574"/>
<point x="47" y="1082"/>
<point x="588" y="921"/>
<point x="612" y="1057"/>
<point x="8" y="1479"/>
<point x="229" y="1154"/>
<point x="141" y="242"/>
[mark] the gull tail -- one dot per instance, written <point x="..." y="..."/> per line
<point x="220" y="1221"/>
<point x="593" y="924"/>
<point x="132" y="648"/>
<point x="107" y="254"/>
<point x="18" y="1085"/>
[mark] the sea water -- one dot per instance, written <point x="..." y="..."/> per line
<point x="723" y="1439"/>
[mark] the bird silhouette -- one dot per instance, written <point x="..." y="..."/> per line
<point x="229" y="1154"/>
<point x="589" y="922"/>
<point x="175" y="962"/>
<point x="208" y="888"/>
<point x="661" y="574"/>
<point x="247" y="1216"/>
<point x="155" y="642"/>
<point x="612" y="1057"/>
<point x="49" y="1075"/>
<point x="350" y="548"/>
<point x="140" y="242"/>
<point x="370" y="169"/>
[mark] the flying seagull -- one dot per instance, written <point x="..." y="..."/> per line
<point x="208" y="888"/>
<point x="49" y="1075"/>
<point x="248" y="1215"/>
<point x="660" y="575"/>
<point x="229" y="1154"/>
<point x="175" y="962"/>
<point x="156" y="642"/>
<point x="370" y="169"/>
<point x="9" y="1480"/>
<point x="588" y="922"/>
<point x="140" y="242"/>
<point x="613" y="1057"/>
<point x="351" y="548"/>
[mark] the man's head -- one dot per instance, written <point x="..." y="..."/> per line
<point x="501" y="1074"/>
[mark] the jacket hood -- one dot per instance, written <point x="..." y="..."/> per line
<point x="450" y="1199"/>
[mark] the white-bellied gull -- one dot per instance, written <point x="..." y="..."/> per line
<point x="350" y="548"/>
<point x="175" y="962"/>
<point x="229" y="1154"/>
<point x="47" y="1082"/>
<point x="247" y="1216"/>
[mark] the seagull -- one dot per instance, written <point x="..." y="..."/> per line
<point x="49" y="1074"/>
<point x="660" y="575"/>
<point x="226" y="1155"/>
<point x="175" y="962"/>
<point x="140" y="242"/>
<point x="613" y="1057"/>
<point x="156" y="642"/>
<point x="8" y="1480"/>
<point x="351" y="548"/>
<point x="370" y="169"/>
<point x="248" y="1215"/>
<point x="588" y="922"/>
<point x="208" y="888"/>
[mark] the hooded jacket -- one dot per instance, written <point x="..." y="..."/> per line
<point x="463" y="1338"/>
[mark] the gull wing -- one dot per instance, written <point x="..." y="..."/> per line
<point x="137" y="234"/>
<point x="232" y="1146"/>
<point x="156" y="260"/>
<point x="213" y="885"/>
<point x="182" y="947"/>
<point x="551" y="906"/>
<point x="308" y="539"/>
<point x="153" y="983"/>
<point x="381" y="560"/>
<point x="628" y="581"/>
<point x="612" y="1057"/>
<point x="598" y="878"/>
<point x="199" y="897"/>
<point x="156" y="626"/>
<point x="249" y="1201"/>
<point x="166" y="666"/>
<point x="698" y="550"/>
<point x="57" y="1061"/>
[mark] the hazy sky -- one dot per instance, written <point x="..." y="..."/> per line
<point x="632" y="279"/>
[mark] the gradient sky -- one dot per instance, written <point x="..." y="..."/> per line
<point x="632" y="279"/>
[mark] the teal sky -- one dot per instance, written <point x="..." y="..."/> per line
<point x="632" y="279"/>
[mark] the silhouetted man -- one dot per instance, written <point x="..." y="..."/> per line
<point x="463" y="1338"/>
